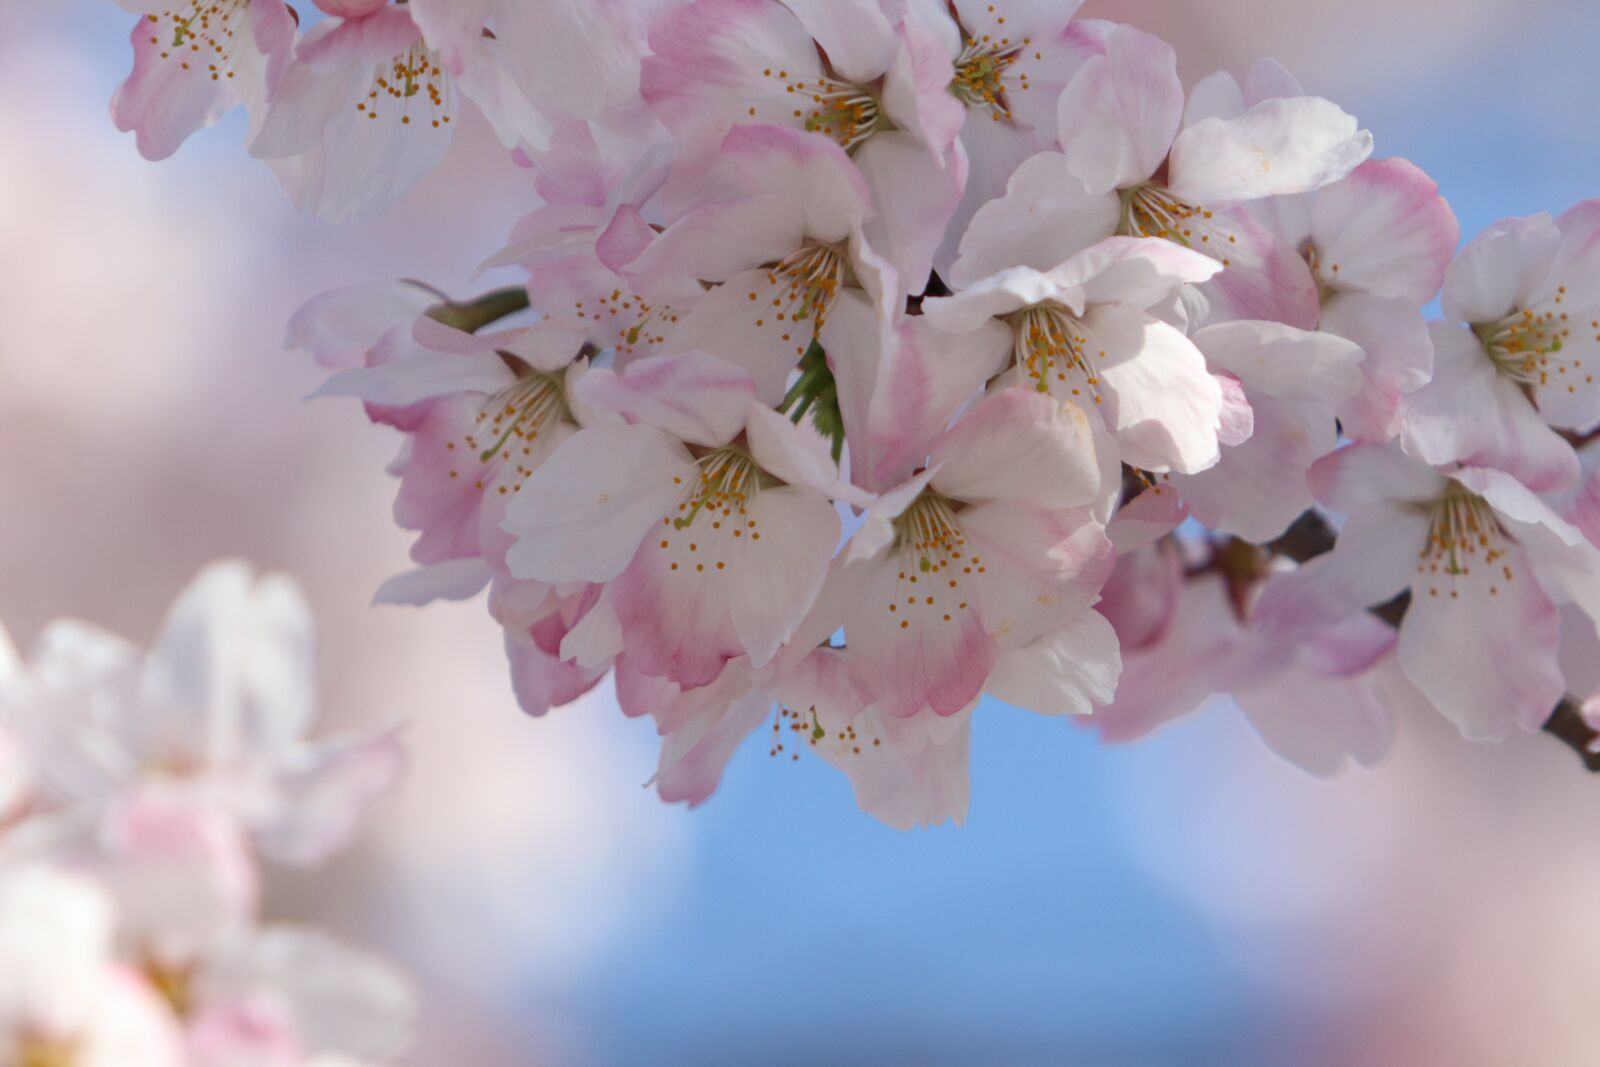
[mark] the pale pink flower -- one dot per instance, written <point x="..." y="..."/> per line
<point x="1082" y="332"/>
<point x="577" y="58"/>
<point x="341" y="327"/>
<point x="1486" y="563"/>
<point x="779" y="226"/>
<point x="1133" y="162"/>
<point x="218" y="708"/>
<point x="883" y="93"/>
<point x="194" y="60"/>
<point x="1293" y="382"/>
<point x="706" y="555"/>
<point x="366" y="108"/>
<point x="594" y="186"/>
<point x="188" y="896"/>
<point x="1528" y="292"/>
<point x="1012" y="59"/>
<point x="1378" y="244"/>
<point x="63" y="998"/>
<point x="480" y="413"/>
<point x="979" y="572"/>
<point x="1315" y="700"/>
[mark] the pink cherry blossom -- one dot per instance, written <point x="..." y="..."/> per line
<point x="366" y="108"/>
<point x="781" y="230"/>
<point x="218" y="707"/>
<point x="194" y="60"/>
<point x="977" y="566"/>
<point x="1082" y="332"/>
<point x="706" y="555"/>
<point x="1378" y="243"/>
<point x="62" y="993"/>
<point x="1486" y="563"/>
<point x="1133" y="163"/>
<point x="480" y="414"/>
<point x="1315" y="700"/>
<point x="883" y="93"/>
<point x="1525" y="360"/>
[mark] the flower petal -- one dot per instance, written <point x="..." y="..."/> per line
<point x="1278" y="147"/>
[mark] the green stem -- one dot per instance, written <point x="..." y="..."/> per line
<point x="470" y="316"/>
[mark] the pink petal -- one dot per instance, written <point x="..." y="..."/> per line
<point x="1019" y="445"/>
<point x="731" y="583"/>
<point x="1385" y="230"/>
<point x="712" y="61"/>
<point x="1501" y="270"/>
<point x="1066" y="672"/>
<point x="1399" y="359"/>
<point x="539" y="677"/>
<point x="918" y="656"/>
<point x="692" y="396"/>
<point x="1470" y="413"/>
<point x="1120" y="112"/>
<point x="1453" y="648"/>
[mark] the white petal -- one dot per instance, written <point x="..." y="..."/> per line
<point x="1044" y="217"/>
<point x="583" y="514"/>
<point x="1064" y="673"/>
<point x="1166" y="406"/>
<point x="1278" y="147"/>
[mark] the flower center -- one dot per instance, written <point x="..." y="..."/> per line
<point x="728" y="480"/>
<point x="173" y="984"/>
<point x="509" y="425"/>
<point x="46" y="1052"/>
<point x="413" y="73"/>
<point x="935" y="562"/>
<point x="1150" y="210"/>
<point x="1325" y="274"/>
<point x="1463" y="531"/>
<point x="1053" y="347"/>
<point x="1529" y="347"/>
<point x="813" y="276"/>
<point x="844" y="111"/>
<point x="981" y="75"/>
<point x="806" y="729"/>
<point x="639" y="322"/>
<point x="201" y="33"/>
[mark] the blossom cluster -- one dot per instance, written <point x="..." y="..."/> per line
<point x="140" y="794"/>
<point x="876" y="355"/>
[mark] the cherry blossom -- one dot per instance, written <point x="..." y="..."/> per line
<point x="1486" y="564"/>
<point x="1378" y="244"/>
<point x="1135" y="162"/>
<point x="194" y="60"/>
<point x="851" y="70"/>
<point x="973" y="573"/>
<point x="1528" y="293"/>
<point x="1315" y="700"/>
<point x="1082" y="331"/>
<point x="218" y="707"/>
<point x="63" y="997"/>
<point x="706" y="555"/>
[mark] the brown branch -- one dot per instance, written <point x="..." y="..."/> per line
<point x="1310" y="536"/>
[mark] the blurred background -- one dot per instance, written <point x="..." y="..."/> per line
<point x="1186" y="901"/>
